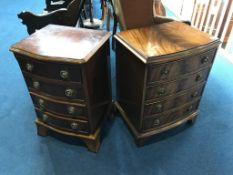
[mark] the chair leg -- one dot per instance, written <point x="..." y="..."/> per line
<point x="80" y="21"/>
<point x="102" y="8"/>
<point x="84" y="13"/>
<point x="47" y="2"/>
<point x="113" y="33"/>
<point x="109" y="16"/>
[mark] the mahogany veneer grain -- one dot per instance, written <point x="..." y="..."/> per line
<point x="161" y="74"/>
<point x="67" y="73"/>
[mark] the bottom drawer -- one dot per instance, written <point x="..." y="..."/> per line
<point x="166" y="118"/>
<point x="77" y="126"/>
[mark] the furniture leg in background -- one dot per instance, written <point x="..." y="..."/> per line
<point x="94" y="23"/>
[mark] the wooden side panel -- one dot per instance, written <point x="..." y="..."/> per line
<point x="97" y="84"/>
<point x="130" y="73"/>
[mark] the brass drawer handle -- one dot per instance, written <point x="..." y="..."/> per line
<point x="161" y="91"/>
<point x="189" y="109"/>
<point x="29" y="67"/>
<point x="156" y="122"/>
<point x="71" y="110"/>
<point x="45" y="117"/>
<point x="74" y="125"/>
<point x="41" y="103"/>
<point x="205" y="60"/>
<point x="195" y="94"/>
<point x="164" y="71"/>
<point x="158" y="107"/>
<point x="69" y="92"/>
<point x="36" y="84"/>
<point x="64" y="74"/>
<point x="198" y="77"/>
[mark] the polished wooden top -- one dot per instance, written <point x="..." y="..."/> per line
<point x="62" y="43"/>
<point x="153" y="43"/>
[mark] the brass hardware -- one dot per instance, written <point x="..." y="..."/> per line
<point x="164" y="71"/>
<point x="161" y="91"/>
<point x="29" y="67"/>
<point x="156" y="122"/>
<point x="71" y="109"/>
<point x="190" y="108"/>
<point x="45" y="117"/>
<point x="195" y="94"/>
<point x="205" y="60"/>
<point x="69" y="92"/>
<point x="158" y="107"/>
<point x="36" y="84"/>
<point x="41" y="103"/>
<point x="64" y="74"/>
<point x="74" y="125"/>
<point x="198" y="77"/>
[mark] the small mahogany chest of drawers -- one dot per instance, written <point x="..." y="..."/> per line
<point x="161" y="74"/>
<point x="67" y="74"/>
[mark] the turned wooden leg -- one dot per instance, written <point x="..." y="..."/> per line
<point x="93" y="145"/>
<point x="41" y="130"/>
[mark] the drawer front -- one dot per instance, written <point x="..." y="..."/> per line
<point x="77" y="126"/>
<point x="65" y="72"/>
<point x="60" y="108"/>
<point x="164" y="89"/>
<point x="166" y="118"/>
<point x="173" y="102"/>
<point x="172" y="70"/>
<point x="57" y="89"/>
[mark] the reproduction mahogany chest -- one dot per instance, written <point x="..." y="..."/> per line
<point x="161" y="74"/>
<point x="67" y="73"/>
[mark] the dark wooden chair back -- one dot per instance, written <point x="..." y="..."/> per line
<point x="133" y="13"/>
<point x="74" y="10"/>
<point x="137" y="13"/>
<point x="65" y="16"/>
<point x="52" y="5"/>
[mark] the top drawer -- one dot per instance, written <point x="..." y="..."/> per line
<point x="171" y="70"/>
<point x="66" y="72"/>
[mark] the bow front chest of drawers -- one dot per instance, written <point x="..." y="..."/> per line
<point x="67" y="73"/>
<point x="161" y="74"/>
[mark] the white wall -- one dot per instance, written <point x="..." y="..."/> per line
<point x="176" y="5"/>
